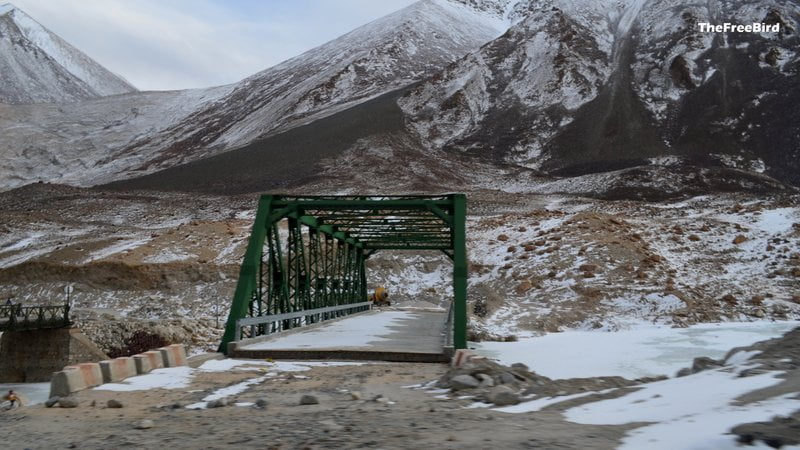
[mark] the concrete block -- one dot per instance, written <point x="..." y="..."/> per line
<point x="461" y="357"/>
<point x="142" y="363"/>
<point x="75" y="378"/>
<point x="174" y="355"/>
<point x="92" y="375"/>
<point x="67" y="381"/>
<point x="117" y="369"/>
<point x="155" y="358"/>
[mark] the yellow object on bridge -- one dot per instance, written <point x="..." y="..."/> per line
<point x="379" y="298"/>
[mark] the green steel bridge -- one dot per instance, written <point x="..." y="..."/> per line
<point x="306" y="258"/>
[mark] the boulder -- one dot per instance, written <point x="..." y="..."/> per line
<point x="507" y="378"/>
<point x="68" y="402"/>
<point x="503" y="396"/>
<point x="704" y="363"/>
<point x="309" y="400"/>
<point x="219" y="403"/>
<point x="486" y="380"/>
<point x="460" y="382"/>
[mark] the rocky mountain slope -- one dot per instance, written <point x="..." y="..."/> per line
<point x="573" y="88"/>
<point x="37" y="66"/>
<point x="576" y="97"/>
<point x="105" y="140"/>
<point x="582" y="86"/>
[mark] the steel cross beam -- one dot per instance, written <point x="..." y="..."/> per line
<point x="322" y="262"/>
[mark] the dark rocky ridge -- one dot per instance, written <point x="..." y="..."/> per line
<point x="287" y="159"/>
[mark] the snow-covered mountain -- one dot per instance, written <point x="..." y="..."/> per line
<point x="584" y="86"/>
<point x="37" y="66"/>
<point x="104" y="140"/>
<point x="573" y="87"/>
<point x="391" y="52"/>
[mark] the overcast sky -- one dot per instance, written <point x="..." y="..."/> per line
<point x="179" y="44"/>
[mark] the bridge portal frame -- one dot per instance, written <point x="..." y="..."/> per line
<point x="321" y="270"/>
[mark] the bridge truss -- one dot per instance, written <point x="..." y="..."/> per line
<point x="306" y="258"/>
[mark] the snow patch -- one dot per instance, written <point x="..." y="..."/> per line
<point x="170" y="378"/>
<point x="695" y="411"/>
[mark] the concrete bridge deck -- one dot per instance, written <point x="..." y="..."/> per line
<point x="383" y="335"/>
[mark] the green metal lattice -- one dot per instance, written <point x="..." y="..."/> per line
<point x="321" y="269"/>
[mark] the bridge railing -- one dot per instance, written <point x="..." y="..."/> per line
<point x="20" y="317"/>
<point x="250" y="327"/>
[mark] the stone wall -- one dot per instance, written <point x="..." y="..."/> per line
<point x="33" y="356"/>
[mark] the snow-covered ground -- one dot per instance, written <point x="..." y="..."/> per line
<point x="696" y="411"/>
<point x="639" y="352"/>
<point x="692" y="412"/>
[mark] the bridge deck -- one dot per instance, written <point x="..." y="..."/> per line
<point x="410" y="336"/>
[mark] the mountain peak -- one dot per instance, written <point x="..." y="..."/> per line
<point x="38" y="66"/>
<point x="6" y="8"/>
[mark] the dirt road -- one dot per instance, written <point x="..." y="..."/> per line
<point x="387" y="415"/>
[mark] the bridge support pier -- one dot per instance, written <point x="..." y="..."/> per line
<point x="33" y="356"/>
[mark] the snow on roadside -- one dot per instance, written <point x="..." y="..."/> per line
<point x="227" y="391"/>
<point x="635" y="353"/>
<point x="181" y="377"/>
<point x="695" y="411"/>
<point x="170" y="378"/>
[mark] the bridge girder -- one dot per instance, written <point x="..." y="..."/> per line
<point x="323" y="262"/>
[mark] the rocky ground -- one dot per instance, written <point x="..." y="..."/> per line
<point x="539" y="263"/>
<point x="358" y="407"/>
<point x="374" y="405"/>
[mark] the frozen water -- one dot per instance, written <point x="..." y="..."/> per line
<point x="639" y="352"/>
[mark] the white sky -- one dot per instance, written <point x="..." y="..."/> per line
<point x="179" y="44"/>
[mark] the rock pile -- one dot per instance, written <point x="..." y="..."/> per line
<point x="776" y="433"/>
<point x="490" y="382"/>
